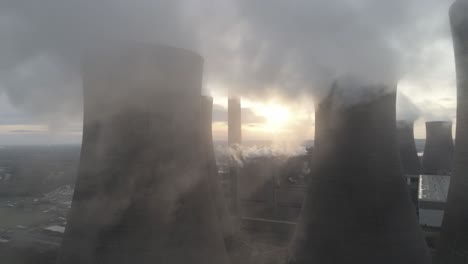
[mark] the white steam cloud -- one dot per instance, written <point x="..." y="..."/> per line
<point x="254" y="47"/>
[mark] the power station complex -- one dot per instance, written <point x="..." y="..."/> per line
<point x="148" y="188"/>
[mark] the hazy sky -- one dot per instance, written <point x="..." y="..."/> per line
<point x="278" y="55"/>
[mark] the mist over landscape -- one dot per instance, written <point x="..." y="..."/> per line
<point x="284" y="51"/>
<point x="233" y="131"/>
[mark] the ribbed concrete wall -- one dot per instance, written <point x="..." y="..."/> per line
<point x="358" y="209"/>
<point x="141" y="196"/>
<point x="439" y="149"/>
<point x="454" y="236"/>
<point x="407" y="146"/>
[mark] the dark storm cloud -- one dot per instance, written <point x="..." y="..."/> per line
<point x="253" y="47"/>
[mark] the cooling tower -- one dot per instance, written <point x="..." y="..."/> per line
<point x="408" y="153"/>
<point x="234" y="121"/>
<point x="439" y="149"/>
<point x="321" y="116"/>
<point x="141" y="196"/>
<point x="409" y="158"/>
<point x="358" y="209"/>
<point x="453" y="246"/>
<point x="211" y="167"/>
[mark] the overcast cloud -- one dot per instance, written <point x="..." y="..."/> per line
<point x="251" y="47"/>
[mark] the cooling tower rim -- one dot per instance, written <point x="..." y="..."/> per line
<point x="457" y="5"/>
<point x="405" y="123"/>
<point x="350" y="91"/>
<point x="96" y="53"/>
<point x="338" y="99"/>
<point x="457" y="13"/>
<point x="234" y="98"/>
<point x="350" y="81"/>
<point x="207" y="98"/>
<point x="439" y="122"/>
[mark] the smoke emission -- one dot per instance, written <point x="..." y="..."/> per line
<point x="406" y="109"/>
<point x="294" y="48"/>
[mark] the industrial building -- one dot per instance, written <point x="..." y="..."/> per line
<point x="234" y="121"/>
<point x="410" y="162"/>
<point x="439" y="148"/>
<point x="453" y="246"/>
<point x="358" y="208"/>
<point x="140" y="183"/>
<point x="149" y="188"/>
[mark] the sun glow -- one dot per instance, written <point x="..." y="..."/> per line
<point x="276" y="117"/>
<point x="270" y="118"/>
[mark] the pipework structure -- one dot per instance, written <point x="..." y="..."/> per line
<point x="453" y="245"/>
<point x="142" y="195"/>
<point x="357" y="208"/>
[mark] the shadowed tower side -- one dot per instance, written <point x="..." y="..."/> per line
<point x="322" y="112"/>
<point x="453" y="246"/>
<point x="408" y="152"/>
<point x="141" y="195"/>
<point x="358" y="209"/>
<point x="409" y="158"/>
<point x="439" y="149"/>
<point x="234" y="141"/>
<point x="234" y="121"/>
<point x="222" y="211"/>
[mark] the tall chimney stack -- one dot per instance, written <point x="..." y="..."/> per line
<point x="234" y="121"/>
<point x="408" y="152"/>
<point x="358" y="209"/>
<point x="439" y="149"/>
<point x="221" y="206"/>
<point x="453" y="245"/>
<point x="141" y="195"/>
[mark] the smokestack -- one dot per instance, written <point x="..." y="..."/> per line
<point x="408" y="153"/>
<point x="357" y="208"/>
<point x="141" y="196"/>
<point x="234" y="121"/>
<point x="222" y="211"/>
<point x="453" y="246"/>
<point x="439" y="149"/>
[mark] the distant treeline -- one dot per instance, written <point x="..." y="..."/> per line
<point x="34" y="170"/>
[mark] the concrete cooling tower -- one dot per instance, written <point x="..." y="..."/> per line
<point x="439" y="149"/>
<point x="222" y="211"/>
<point x="409" y="158"/>
<point x="453" y="245"/>
<point x="234" y="121"/>
<point x="408" y="153"/>
<point x="142" y="195"/>
<point x="322" y="111"/>
<point x="358" y="208"/>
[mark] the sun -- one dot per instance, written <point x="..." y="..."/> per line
<point x="276" y="117"/>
